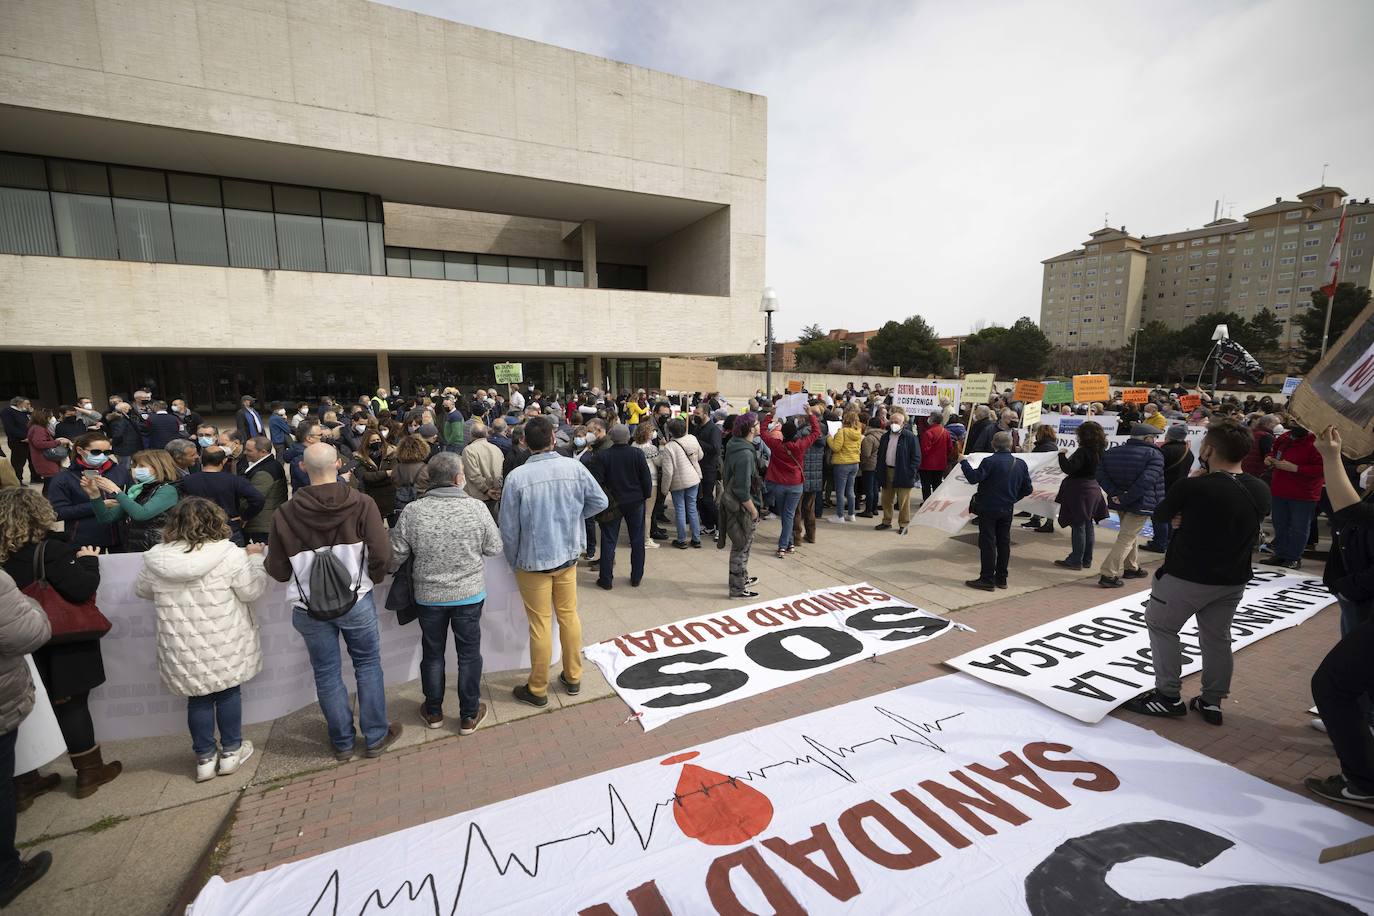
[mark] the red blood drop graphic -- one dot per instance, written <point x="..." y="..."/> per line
<point x="712" y="808"/>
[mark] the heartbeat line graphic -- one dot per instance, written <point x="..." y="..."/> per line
<point x="824" y="756"/>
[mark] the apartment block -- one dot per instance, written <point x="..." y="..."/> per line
<point x="1094" y="296"/>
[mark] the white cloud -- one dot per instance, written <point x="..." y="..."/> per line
<point x="924" y="157"/>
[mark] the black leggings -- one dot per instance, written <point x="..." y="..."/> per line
<point x="74" y="719"/>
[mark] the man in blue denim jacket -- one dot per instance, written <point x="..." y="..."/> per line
<point x="544" y="505"/>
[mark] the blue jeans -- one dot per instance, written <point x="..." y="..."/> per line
<point x="1292" y="523"/>
<point x="685" y="513"/>
<point x="785" y="499"/>
<point x="633" y="513"/>
<point x="466" y="622"/>
<point x="202" y="713"/>
<point x="359" y="630"/>
<point x="844" y="488"/>
<point x="1081" y="536"/>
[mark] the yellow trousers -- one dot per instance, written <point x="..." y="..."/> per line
<point x="547" y="594"/>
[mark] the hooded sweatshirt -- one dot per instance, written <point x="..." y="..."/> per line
<point x="207" y="640"/>
<point x="333" y="516"/>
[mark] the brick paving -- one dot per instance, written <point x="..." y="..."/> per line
<point x="1266" y="734"/>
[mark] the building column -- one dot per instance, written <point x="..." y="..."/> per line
<point x="594" y="378"/>
<point x="589" y="254"/>
<point x="89" y="371"/>
<point x="384" y="370"/>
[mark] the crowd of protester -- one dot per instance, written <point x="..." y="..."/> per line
<point x="331" y="497"/>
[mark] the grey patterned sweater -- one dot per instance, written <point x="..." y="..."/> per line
<point x="449" y="533"/>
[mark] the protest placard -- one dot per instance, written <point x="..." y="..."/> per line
<point x="1030" y="414"/>
<point x="1290" y="385"/>
<point x="1057" y="393"/>
<point x="1339" y="391"/>
<point x="1028" y="390"/>
<point x="1135" y="395"/>
<point x="951" y="390"/>
<point x="509" y="373"/>
<point x="1091" y="388"/>
<point x="977" y="387"/>
<point x="676" y="374"/>
<point x="795" y="385"/>
<point x="917" y="397"/>
<point x="790" y="405"/>
<point x="1189" y="401"/>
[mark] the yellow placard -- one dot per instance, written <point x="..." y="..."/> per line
<point x="977" y="387"/>
<point x="1028" y="390"/>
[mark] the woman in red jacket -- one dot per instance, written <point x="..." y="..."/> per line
<point x="1296" y="487"/>
<point x="788" y="445"/>
<point x="40" y="439"/>
<point x="935" y="445"/>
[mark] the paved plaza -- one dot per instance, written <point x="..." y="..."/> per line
<point x="151" y="837"/>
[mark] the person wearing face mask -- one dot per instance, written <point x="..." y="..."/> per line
<point x="899" y="463"/>
<point x="644" y="439"/>
<point x="1216" y="517"/>
<point x="351" y="435"/>
<point x="163" y="426"/>
<point x="482" y="468"/>
<point x="376" y="474"/>
<point x="69" y="424"/>
<point x="233" y="447"/>
<point x="302" y="413"/>
<point x="248" y="421"/>
<point x="217" y="482"/>
<point x="89" y="415"/>
<point x="91" y="457"/>
<point x="206" y="436"/>
<point x="787" y="445"/>
<point x="279" y="428"/>
<point x="139" y="510"/>
<point x="123" y="433"/>
<point x="265" y="473"/>
<point x="46" y="451"/>
<point x="188" y="417"/>
<point x="1296" y="487"/>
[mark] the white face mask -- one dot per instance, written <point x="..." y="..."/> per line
<point x="895" y="427"/>
<point x="1280" y="430"/>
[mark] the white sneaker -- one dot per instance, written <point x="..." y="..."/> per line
<point x="205" y="770"/>
<point x="650" y="544"/>
<point x="831" y="518"/>
<point x="228" y="763"/>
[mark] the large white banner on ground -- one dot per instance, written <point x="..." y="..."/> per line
<point x="943" y="797"/>
<point x="134" y="703"/>
<point x="947" y="507"/>
<point x="1087" y="664"/>
<point x="669" y="671"/>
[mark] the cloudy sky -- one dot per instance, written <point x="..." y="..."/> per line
<point x="925" y="156"/>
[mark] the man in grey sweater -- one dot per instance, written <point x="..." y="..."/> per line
<point x="448" y="533"/>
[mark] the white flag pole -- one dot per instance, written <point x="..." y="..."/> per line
<point x="1335" y="279"/>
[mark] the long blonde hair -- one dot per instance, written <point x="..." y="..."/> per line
<point x="25" y="518"/>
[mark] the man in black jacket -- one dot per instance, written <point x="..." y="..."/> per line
<point x="708" y="436"/>
<point x="1178" y="462"/>
<point x="981" y="431"/>
<point x="16" y="421"/>
<point x="1002" y="481"/>
<point x="163" y="426"/>
<point x="219" y="484"/>
<point x="250" y="422"/>
<point x="624" y="474"/>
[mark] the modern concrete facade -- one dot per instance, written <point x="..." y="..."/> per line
<point x="1096" y="295"/>
<point x="403" y="199"/>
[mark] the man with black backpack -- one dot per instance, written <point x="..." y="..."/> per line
<point x="330" y="544"/>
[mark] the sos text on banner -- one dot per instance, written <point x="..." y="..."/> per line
<point x="666" y="672"/>
<point x="134" y="703"/>
<point x="946" y="797"/>
<point x="1087" y="664"/>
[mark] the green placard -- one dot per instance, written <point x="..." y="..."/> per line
<point x="1058" y="393"/>
<point x="510" y="373"/>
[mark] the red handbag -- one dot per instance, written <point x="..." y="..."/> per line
<point x="71" y="622"/>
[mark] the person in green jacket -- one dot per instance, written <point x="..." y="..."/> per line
<point x="141" y="508"/>
<point x="452" y="428"/>
<point x="739" y="503"/>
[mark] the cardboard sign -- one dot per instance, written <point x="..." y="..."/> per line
<point x="688" y="375"/>
<point x="1189" y="401"/>
<point x="1092" y="680"/>
<point x="794" y="385"/>
<point x="1027" y="390"/>
<point x="1057" y="393"/>
<point x="1135" y="395"/>
<point x="509" y="373"/>
<point x="1290" y="385"/>
<point x="765" y="646"/>
<point x="1091" y="388"/>
<point x="1339" y="391"/>
<point x="1030" y="414"/>
<point x="977" y="388"/>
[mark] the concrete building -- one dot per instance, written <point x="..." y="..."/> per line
<point x="297" y="197"/>
<point x="1096" y="295"/>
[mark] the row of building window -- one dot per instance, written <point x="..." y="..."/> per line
<point x="496" y="268"/>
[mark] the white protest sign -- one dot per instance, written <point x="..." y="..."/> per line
<point x="947" y="507"/>
<point x="669" y="671"/>
<point x="1290" y="385"/>
<point x="945" y="797"/>
<point x="1087" y="664"/>
<point x="1030" y="415"/>
<point x="951" y="390"/>
<point x="790" y="405"/>
<point x="134" y="703"/>
<point x="919" y="398"/>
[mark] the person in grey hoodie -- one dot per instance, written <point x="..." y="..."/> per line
<point x="448" y="533"/>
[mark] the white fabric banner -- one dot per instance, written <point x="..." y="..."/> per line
<point x="947" y="508"/>
<point x="669" y="671"/>
<point x="1087" y="664"/>
<point x="133" y="703"/>
<point x="943" y="797"/>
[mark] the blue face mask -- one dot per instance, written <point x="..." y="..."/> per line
<point x="143" y="475"/>
<point x="579" y="441"/>
<point x="205" y="441"/>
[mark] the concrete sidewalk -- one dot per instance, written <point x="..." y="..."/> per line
<point x="141" y="837"/>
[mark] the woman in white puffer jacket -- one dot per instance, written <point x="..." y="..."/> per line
<point x="207" y="641"/>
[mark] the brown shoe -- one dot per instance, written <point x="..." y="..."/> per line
<point x="393" y="731"/>
<point x="470" y="724"/>
<point x="30" y="785"/>
<point x="431" y="719"/>
<point x="92" y="771"/>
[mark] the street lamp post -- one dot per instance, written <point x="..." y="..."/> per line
<point x="1220" y="333"/>
<point x="1135" y="347"/>
<point x="768" y="305"/>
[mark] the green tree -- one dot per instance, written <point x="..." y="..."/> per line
<point x="1021" y="351"/>
<point x="809" y="333"/>
<point x="814" y="355"/>
<point x="1194" y="342"/>
<point x="1267" y="330"/>
<point x="1350" y="301"/>
<point x="1155" y="353"/>
<point x="911" y="346"/>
